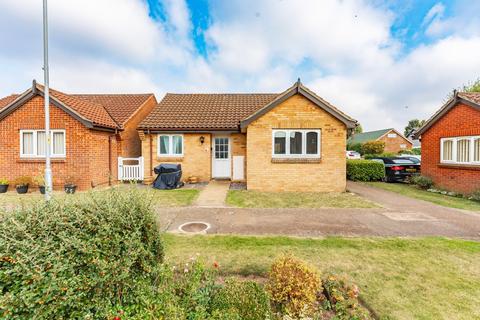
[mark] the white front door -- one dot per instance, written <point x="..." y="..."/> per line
<point x="221" y="157"/>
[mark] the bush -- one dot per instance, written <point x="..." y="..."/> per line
<point x="417" y="151"/>
<point x="342" y="296"/>
<point x="385" y="155"/>
<point x="475" y="195"/>
<point x="406" y="152"/>
<point x="365" y="170"/>
<point x="373" y="147"/>
<point x="246" y="299"/>
<point x="422" y="182"/>
<point x="79" y="259"/>
<point x="355" y="147"/>
<point x="293" y="286"/>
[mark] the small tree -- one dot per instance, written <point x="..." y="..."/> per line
<point x="373" y="147"/>
<point x="358" y="129"/>
<point x="412" y="125"/>
<point x="355" y="147"/>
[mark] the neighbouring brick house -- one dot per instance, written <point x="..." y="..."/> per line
<point x="88" y="133"/>
<point x="292" y="141"/>
<point x="394" y="141"/>
<point x="451" y="144"/>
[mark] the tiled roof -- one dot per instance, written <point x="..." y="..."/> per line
<point x="367" y="136"/>
<point x="120" y="106"/>
<point x="472" y="96"/>
<point x="7" y="100"/>
<point x="103" y="110"/>
<point x="204" y="111"/>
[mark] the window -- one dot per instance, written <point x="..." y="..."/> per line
<point x="392" y="135"/>
<point x="170" y="145"/>
<point x="403" y="146"/>
<point x="300" y="143"/>
<point x="461" y="150"/>
<point x="33" y="143"/>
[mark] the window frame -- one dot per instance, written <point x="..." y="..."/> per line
<point x="35" y="154"/>
<point x="304" y="154"/>
<point x="455" y="153"/>
<point x="170" y="153"/>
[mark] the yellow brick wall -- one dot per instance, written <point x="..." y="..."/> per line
<point x="297" y="112"/>
<point x="196" y="159"/>
<point x="238" y="141"/>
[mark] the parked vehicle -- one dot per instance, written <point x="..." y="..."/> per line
<point x="353" y="155"/>
<point x="397" y="168"/>
<point x="414" y="159"/>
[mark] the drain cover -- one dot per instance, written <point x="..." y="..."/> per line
<point x="194" y="227"/>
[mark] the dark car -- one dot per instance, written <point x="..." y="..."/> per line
<point x="398" y="169"/>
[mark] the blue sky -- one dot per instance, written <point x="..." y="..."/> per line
<point x="371" y="58"/>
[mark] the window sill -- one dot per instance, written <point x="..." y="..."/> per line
<point x="460" y="166"/>
<point x="40" y="160"/>
<point x="296" y="160"/>
<point x="170" y="158"/>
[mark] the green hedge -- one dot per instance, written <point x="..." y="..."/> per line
<point x="77" y="259"/>
<point x="365" y="170"/>
<point x="369" y="156"/>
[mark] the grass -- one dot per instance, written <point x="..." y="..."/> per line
<point x="255" y="199"/>
<point x="161" y="198"/>
<point x="429" y="278"/>
<point x="440" y="199"/>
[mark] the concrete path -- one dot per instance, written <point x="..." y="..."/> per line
<point x="214" y="194"/>
<point x="401" y="216"/>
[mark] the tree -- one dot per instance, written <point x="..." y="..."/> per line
<point x="472" y="87"/>
<point x="373" y="147"/>
<point x="412" y="125"/>
<point x="358" y="129"/>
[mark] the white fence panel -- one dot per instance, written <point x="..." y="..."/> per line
<point x="130" y="172"/>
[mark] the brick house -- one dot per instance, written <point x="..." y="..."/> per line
<point x="292" y="141"/>
<point x="451" y="144"/>
<point x="394" y="140"/>
<point x="88" y="133"/>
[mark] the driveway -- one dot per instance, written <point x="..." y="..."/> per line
<point x="400" y="216"/>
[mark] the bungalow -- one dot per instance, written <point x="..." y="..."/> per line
<point x="291" y="141"/>
<point x="89" y="132"/>
<point x="451" y="144"/>
<point x="394" y="140"/>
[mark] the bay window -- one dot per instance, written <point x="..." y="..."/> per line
<point x="293" y="143"/>
<point x="170" y="145"/>
<point x="33" y="143"/>
<point x="460" y="150"/>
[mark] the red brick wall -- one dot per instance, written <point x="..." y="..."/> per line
<point x="87" y="150"/>
<point x="462" y="120"/>
<point x="393" y="145"/>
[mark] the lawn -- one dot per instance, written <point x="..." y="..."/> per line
<point x="255" y="199"/>
<point x="161" y="198"/>
<point x="440" y="199"/>
<point x="430" y="278"/>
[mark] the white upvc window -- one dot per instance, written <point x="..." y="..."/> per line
<point x="460" y="150"/>
<point x="33" y="143"/>
<point x="392" y="135"/>
<point x="296" y="143"/>
<point x="170" y="145"/>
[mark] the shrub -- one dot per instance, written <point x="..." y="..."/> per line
<point x="385" y="155"/>
<point x="293" y="286"/>
<point x="23" y="181"/>
<point x="422" y="182"/>
<point x="247" y="299"/>
<point x="373" y="147"/>
<point x="78" y="259"/>
<point x="342" y="297"/>
<point x="475" y="195"/>
<point x="365" y="170"/>
<point x="355" y="147"/>
<point x="3" y="181"/>
<point x="417" y="151"/>
<point x="406" y="152"/>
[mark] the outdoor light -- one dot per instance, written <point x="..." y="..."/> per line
<point x="202" y="139"/>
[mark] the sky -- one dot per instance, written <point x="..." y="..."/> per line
<point x="383" y="62"/>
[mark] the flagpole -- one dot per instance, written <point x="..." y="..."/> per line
<point x="48" y="169"/>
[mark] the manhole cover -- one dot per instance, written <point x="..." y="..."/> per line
<point x="194" y="227"/>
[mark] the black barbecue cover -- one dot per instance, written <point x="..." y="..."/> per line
<point x="169" y="176"/>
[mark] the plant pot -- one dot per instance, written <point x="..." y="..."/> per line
<point x="22" y="189"/>
<point x="70" y="188"/>
<point x="42" y="189"/>
<point x="3" y="188"/>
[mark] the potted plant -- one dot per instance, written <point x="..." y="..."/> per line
<point x="22" y="183"/>
<point x="70" y="186"/>
<point x="40" y="180"/>
<point x="3" y="185"/>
